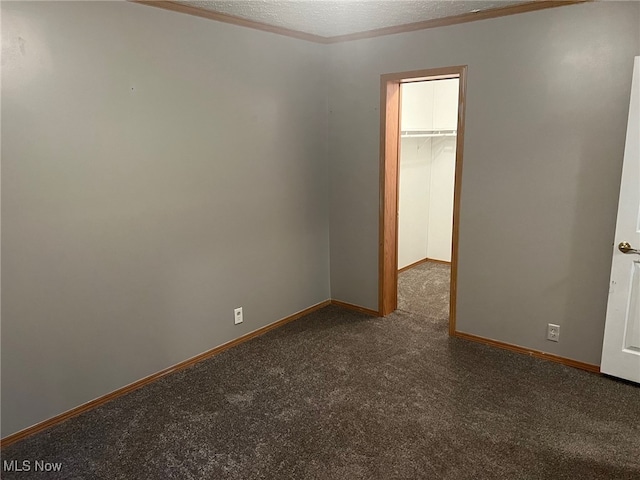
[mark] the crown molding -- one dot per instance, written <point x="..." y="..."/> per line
<point x="378" y="32"/>
<point x="232" y="19"/>
<point x="453" y="20"/>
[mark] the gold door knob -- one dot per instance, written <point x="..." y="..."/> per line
<point x="625" y="247"/>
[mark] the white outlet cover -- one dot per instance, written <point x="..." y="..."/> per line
<point x="237" y="315"/>
<point x="553" y="332"/>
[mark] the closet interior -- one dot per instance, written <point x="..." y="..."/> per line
<point x="429" y="117"/>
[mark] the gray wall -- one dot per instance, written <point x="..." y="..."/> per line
<point x="548" y="97"/>
<point x="158" y="170"/>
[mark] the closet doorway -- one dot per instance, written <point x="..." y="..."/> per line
<point x="422" y="133"/>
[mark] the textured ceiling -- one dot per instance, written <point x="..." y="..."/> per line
<point x="329" y="18"/>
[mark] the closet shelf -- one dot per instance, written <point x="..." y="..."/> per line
<point x="427" y="133"/>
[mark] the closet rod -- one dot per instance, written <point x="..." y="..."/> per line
<point x="428" y="133"/>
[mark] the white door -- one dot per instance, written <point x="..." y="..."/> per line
<point x="621" y="348"/>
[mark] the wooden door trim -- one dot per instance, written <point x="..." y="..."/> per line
<point x="390" y="101"/>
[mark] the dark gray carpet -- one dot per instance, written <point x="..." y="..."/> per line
<point x="424" y="290"/>
<point x="339" y="395"/>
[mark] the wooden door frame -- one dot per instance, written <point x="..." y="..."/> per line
<point x="390" y="105"/>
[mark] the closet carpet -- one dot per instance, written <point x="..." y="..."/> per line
<point x="340" y="395"/>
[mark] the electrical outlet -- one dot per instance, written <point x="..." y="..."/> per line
<point x="237" y="315"/>
<point x="553" y="332"/>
